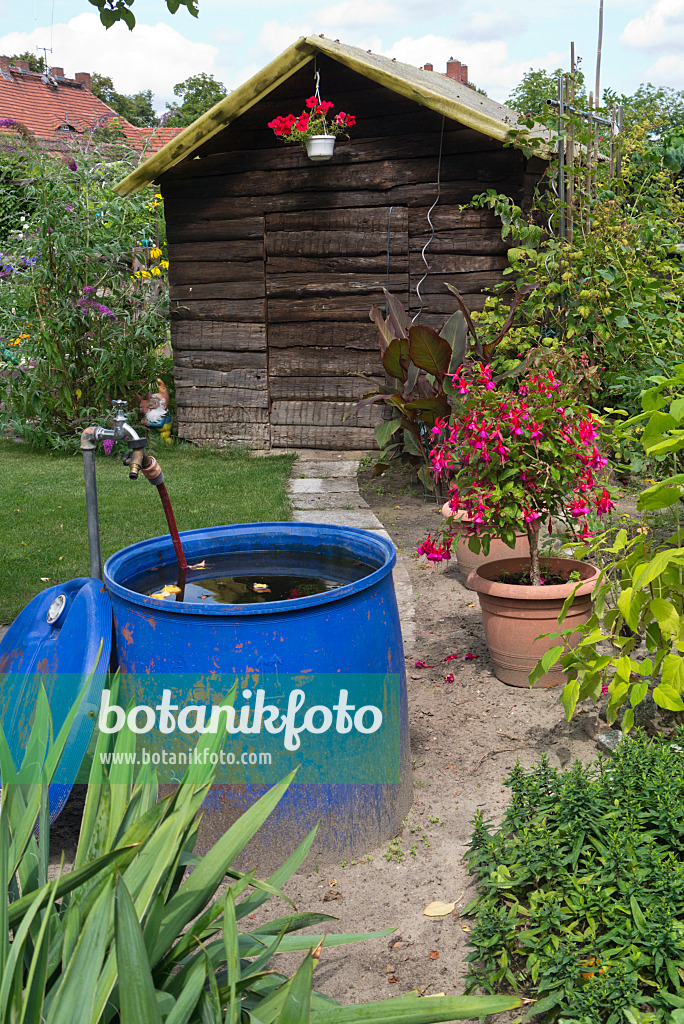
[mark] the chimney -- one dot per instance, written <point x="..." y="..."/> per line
<point x="83" y="79"/>
<point x="457" y="71"/>
<point x="4" y="65"/>
<point x="428" y="67"/>
<point x="22" y="65"/>
<point x="57" y="72"/>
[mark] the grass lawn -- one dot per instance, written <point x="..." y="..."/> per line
<point x="42" y="513"/>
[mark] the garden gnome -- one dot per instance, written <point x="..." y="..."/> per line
<point x="155" y="411"/>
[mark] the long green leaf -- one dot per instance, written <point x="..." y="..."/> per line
<point x="297" y="1006"/>
<point x="230" y="942"/>
<point x="278" y="878"/>
<point x="137" y="1001"/>
<point x="34" y="988"/>
<point x="416" y="1011"/>
<point x="73" y="1000"/>
<point x="188" y="998"/>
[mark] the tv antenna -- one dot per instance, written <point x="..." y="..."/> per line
<point x="45" y="51"/>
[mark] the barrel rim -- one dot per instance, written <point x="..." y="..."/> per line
<point x="340" y="534"/>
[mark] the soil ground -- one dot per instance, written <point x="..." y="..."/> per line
<point x="466" y="735"/>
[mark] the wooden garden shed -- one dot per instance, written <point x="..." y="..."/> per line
<point x="275" y="260"/>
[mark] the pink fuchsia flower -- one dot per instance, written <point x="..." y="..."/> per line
<point x="440" y="424"/>
<point x="451" y="657"/>
<point x="603" y="503"/>
<point x="585" y="533"/>
<point x="471" y="657"/>
<point x="423" y="664"/>
<point x="604" y="689"/>
<point x="579" y="507"/>
<point x="449" y="678"/>
<point x="529" y="515"/>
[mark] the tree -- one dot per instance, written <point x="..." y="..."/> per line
<point x="112" y="11"/>
<point x="198" y="93"/>
<point x="536" y="87"/>
<point x="661" y="108"/>
<point x="136" y="109"/>
<point x="35" y="63"/>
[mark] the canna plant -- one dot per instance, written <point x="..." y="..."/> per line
<point x="128" y="936"/>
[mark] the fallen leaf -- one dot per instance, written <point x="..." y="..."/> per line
<point x="261" y="588"/>
<point x="198" y="565"/>
<point x="439" y="909"/>
<point x="166" y="591"/>
<point x="435" y="995"/>
<point x="44" y="579"/>
<point x="465" y="928"/>
<point x="392" y="980"/>
<point x="448" y="766"/>
<point x="398" y="944"/>
<point x="434" y="955"/>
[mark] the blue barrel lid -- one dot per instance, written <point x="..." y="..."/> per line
<point x="56" y="640"/>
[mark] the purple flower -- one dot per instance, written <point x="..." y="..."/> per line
<point x="71" y="164"/>
<point x="7" y="122"/>
<point x="87" y="301"/>
<point x="108" y="445"/>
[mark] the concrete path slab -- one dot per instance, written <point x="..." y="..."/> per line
<point x="324" y="469"/>
<point x="316" y="485"/>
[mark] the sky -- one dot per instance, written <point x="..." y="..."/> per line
<point x="642" y="41"/>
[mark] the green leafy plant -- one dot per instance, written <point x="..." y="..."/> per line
<point x="83" y="295"/>
<point x="639" y="598"/>
<point x="581" y="890"/>
<point x="129" y="935"/>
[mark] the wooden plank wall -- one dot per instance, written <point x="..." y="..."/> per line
<point x="275" y="261"/>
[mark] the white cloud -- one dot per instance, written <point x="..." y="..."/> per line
<point x="661" y="27"/>
<point x="152" y="56"/>
<point x="667" y="71"/>
<point x="355" y="13"/>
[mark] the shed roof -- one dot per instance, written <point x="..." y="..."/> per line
<point x="429" y="88"/>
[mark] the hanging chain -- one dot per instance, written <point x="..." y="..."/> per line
<point x="317" y="94"/>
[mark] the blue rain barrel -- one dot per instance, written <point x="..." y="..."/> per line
<point x="320" y="684"/>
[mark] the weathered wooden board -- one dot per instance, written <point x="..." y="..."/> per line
<point x="183" y="230"/>
<point x="311" y="286"/>
<point x="436" y="316"/>
<point x="456" y="263"/>
<point x="222" y="414"/>
<point x="320" y="388"/>
<point x="225" y="289"/>
<point x="233" y="310"/>
<point x="325" y="242"/>
<point x="434" y="284"/>
<point x="337" y="264"/>
<point x="302" y="362"/>
<point x="479" y="242"/>
<point x="231" y="251"/>
<point x="197" y="272"/>
<point x="357" y="221"/>
<point x="340" y="438"/>
<point x="345" y="308"/>
<point x="252" y="434"/>
<point x="335" y="335"/>
<point x="193" y="396"/>
<point x="240" y="378"/>
<point x="447" y="217"/>
<point x="217" y="336"/>
<point x="199" y="360"/>
<point x="323" y="414"/>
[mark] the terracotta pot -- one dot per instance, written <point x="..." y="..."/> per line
<point x="467" y="560"/>
<point x="513" y="616"/>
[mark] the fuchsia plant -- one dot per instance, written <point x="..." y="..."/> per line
<point x="515" y="458"/>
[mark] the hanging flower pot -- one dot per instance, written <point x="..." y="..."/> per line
<point x="320" y="147"/>
<point x="313" y="129"/>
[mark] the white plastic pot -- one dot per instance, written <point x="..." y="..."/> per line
<point x="320" y="147"/>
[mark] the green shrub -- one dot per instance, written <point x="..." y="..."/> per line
<point x="128" y="936"/>
<point x="581" y="889"/>
<point x="83" y="302"/>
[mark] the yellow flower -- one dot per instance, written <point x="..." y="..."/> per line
<point x="156" y="253"/>
<point x="156" y="271"/>
<point x="164" y="264"/>
<point x="145" y="273"/>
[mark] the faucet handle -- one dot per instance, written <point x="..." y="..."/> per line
<point x="120" y="403"/>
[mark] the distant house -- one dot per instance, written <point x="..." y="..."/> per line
<point x="275" y="261"/>
<point x="58" y="109"/>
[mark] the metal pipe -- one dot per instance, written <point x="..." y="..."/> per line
<point x="561" y="158"/>
<point x="92" y="514"/>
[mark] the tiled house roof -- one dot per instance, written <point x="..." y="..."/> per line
<point x="56" y="108"/>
